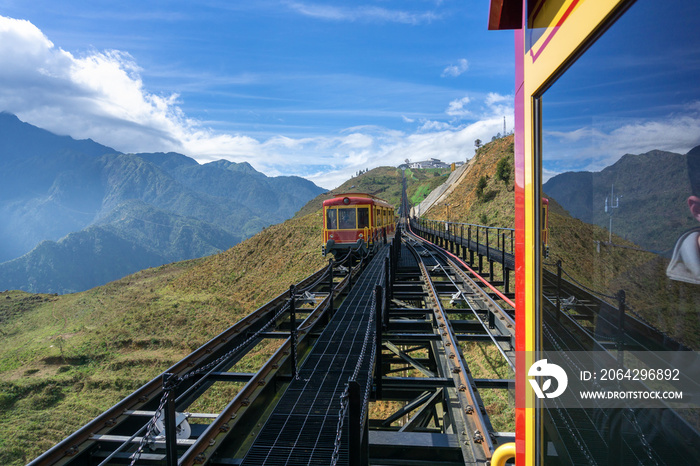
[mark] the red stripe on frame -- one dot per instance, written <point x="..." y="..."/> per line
<point x="556" y="27"/>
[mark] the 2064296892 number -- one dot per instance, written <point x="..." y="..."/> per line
<point x="639" y="374"/>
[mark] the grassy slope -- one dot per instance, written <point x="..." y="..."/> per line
<point x="495" y="207"/>
<point x="65" y="359"/>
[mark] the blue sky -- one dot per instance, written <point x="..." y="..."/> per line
<point x="311" y="88"/>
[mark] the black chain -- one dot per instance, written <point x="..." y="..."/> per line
<point x="150" y="427"/>
<point x="344" y="400"/>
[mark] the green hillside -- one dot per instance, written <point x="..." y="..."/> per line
<point x="491" y="205"/>
<point x="64" y="359"/>
<point x="385" y="182"/>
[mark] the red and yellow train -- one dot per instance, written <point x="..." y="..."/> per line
<point x="355" y="221"/>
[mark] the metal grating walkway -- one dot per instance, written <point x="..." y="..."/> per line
<point x="302" y="428"/>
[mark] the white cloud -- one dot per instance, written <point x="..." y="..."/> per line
<point x="430" y="125"/>
<point x="455" y="70"/>
<point x="361" y="13"/>
<point x="495" y="98"/>
<point x="594" y="148"/>
<point x="457" y="108"/>
<point x="100" y="95"/>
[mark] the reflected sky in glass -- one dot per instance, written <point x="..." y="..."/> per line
<point x="637" y="89"/>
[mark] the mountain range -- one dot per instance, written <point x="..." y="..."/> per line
<point x="77" y="214"/>
<point x="650" y="191"/>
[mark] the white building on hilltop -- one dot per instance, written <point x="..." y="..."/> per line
<point x="432" y="163"/>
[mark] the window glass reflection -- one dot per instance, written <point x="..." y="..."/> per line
<point x="347" y="218"/>
<point x="621" y="172"/>
<point x="331" y="219"/>
<point x="621" y="133"/>
<point x="363" y="217"/>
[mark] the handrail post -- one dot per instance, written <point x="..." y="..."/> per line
<point x="293" y="330"/>
<point x="558" y="289"/>
<point x="504" y="271"/>
<point x="621" y="297"/>
<point x="387" y="284"/>
<point x="169" y="421"/>
<point x="330" y="288"/>
<point x="354" y="427"/>
<point x="478" y="249"/>
<point x="469" y="244"/>
<point x="488" y="248"/>
<point x="378" y="303"/>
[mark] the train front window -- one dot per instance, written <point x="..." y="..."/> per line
<point x="346" y="217"/>
<point x="621" y="169"/>
<point x="363" y="217"/>
<point x="331" y="219"/>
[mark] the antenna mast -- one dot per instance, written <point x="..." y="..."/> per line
<point x="609" y="206"/>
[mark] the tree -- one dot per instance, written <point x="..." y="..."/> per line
<point x="480" y="186"/>
<point x="503" y="169"/>
<point x="477" y="143"/>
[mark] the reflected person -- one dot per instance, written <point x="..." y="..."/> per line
<point x="685" y="262"/>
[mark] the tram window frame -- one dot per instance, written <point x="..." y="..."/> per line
<point x="363" y="217"/>
<point x="343" y="223"/>
<point x="331" y="219"/>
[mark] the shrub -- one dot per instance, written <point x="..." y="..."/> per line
<point x="480" y="186"/>
<point x="503" y="169"/>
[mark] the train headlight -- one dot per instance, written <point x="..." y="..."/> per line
<point x="346" y="200"/>
<point x="331" y="235"/>
<point x="361" y="235"/>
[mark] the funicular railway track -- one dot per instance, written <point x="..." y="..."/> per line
<point x="395" y="340"/>
<point x="576" y="318"/>
<point x="392" y="339"/>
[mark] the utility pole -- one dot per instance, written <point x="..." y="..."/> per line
<point x="609" y="206"/>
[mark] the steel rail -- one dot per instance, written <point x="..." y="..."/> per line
<point x="472" y="271"/>
<point x="459" y="368"/>
<point x="468" y="281"/>
<point x="508" y="360"/>
<point x="506" y="320"/>
<point x="493" y="307"/>
<point x="66" y="450"/>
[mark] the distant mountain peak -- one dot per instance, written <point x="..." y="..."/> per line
<point x="694" y="151"/>
<point x="241" y="167"/>
<point x="167" y="160"/>
<point x="21" y="140"/>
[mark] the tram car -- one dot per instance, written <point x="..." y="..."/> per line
<point x="355" y="221"/>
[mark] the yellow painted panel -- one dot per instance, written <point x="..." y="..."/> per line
<point x="559" y="43"/>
